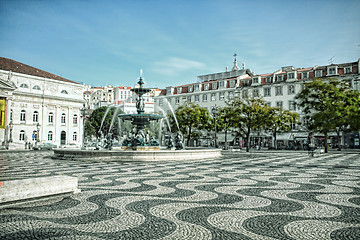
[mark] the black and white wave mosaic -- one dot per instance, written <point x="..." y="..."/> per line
<point x="238" y="196"/>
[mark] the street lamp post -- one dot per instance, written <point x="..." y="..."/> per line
<point x="215" y="113"/>
<point x="10" y="128"/>
<point x="38" y="132"/>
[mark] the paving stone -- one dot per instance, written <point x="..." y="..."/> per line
<point x="239" y="196"/>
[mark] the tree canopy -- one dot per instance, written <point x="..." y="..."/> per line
<point x="330" y="105"/>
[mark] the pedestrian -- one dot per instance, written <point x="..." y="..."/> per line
<point x="311" y="144"/>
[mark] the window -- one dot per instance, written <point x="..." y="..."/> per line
<point x="214" y="85"/>
<point x="279" y="78"/>
<point x="213" y="97"/>
<point x="268" y="80"/>
<point x="51" y="118"/>
<point x="36" y="87"/>
<point x="318" y="73"/>
<point x="245" y="94"/>
<point x="267" y="92"/>
<point x="64" y="92"/>
<point x="347" y="70"/>
<point x="74" y="136"/>
<point x="332" y="71"/>
<point x="304" y="75"/>
<point x="197" y="87"/>
<point x="24" y="85"/>
<point x="36" y="116"/>
<point x="221" y="84"/>
<point x="50" y="136"/>
<point x="177" y="100"/>
<point x="231" y="94"/>
<point x="190" y="89"/>
<point x="292" y="106"/>
<point x="22" y="116"/>
<point x="206" y="86"/>
<point x="291" y="89"/>
<point x="256" y="93"/>
<point x="75" y="119"/>
<point x="179" y="90"/>
<point x="63" y="118"/>
<point x="22" y="135"/>
<point x="291" y="75"/>
<point x="232" y="84"/>
<point x="221" y="96"/>
<point x="255" y="80"/>
<point x="189" y="98"/>
<point x="205" y="98"/>
<point x="279" y="104"/>
<point x="197" y="98"/>
<point x="278" y="90"/>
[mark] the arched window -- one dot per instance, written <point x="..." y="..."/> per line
<point x="75" y="119"/>
<point x="36" y="116"/>
<point x="64" y="92"/>
<point x="36" y="87"/>
<point x="24" y="85"/>
<point x="74" y="136"/>
<point x="22" y="135"/>
<point x="50" y="136"/>
<point x="22" y="116"/>
<point x="63" y="118"/>
<point x="51" y="117"/>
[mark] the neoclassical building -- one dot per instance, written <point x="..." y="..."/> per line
<point x="37" y="106"/>
<point x="278" y="88"/>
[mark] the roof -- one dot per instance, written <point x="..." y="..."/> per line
<point x="18" y="67"/>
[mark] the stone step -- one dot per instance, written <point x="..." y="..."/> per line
<point x="19" y="191"/>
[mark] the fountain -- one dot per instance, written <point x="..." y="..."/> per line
<point x="137" y="145"/>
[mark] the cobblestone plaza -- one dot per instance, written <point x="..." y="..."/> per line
<point x="239" y="196"/>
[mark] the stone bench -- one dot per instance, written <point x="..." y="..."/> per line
<point x="19" y="191"/>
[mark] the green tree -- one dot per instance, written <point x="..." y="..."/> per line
<point x="89" y="130"/>
<point x="192" y="117"/>
<point x="96" y="119"/>
<point x="281" y="121"/>
<point x="224" y="121"/>
<point x="248" y="114"/>
<point x="330" y="105"/>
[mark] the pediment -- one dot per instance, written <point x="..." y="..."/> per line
<point x="7" y="85"/>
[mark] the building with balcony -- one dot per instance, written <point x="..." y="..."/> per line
<point x="278" y="88"/>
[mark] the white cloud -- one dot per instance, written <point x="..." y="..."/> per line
<point x="175" y="65"/>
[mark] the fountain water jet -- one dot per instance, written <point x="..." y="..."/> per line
<point x="137" y="146"/>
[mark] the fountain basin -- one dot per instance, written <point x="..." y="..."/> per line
<point x="118" y="155"/>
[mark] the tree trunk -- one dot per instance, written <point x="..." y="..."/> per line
<point x="326" y="142"/>
<point x="248" y="140"/>
<point x="274" y="137"/>
<point x="189" y="137"/>
<point x="338" y="140"/>
<point x="225" y="146"/>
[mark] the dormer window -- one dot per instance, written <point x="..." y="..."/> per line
<point x="206" y="86"/>
<point x="332" y="70"/>
<point x="179" y="90"/>
<point x="304" y="75"/>
<point x="197" y="87"/>
<point x="279" y="78"/>
<point x="24" y="85"/>
<point x="291" y="75"/>
<point x="232" y="83"/>
<point x="268" y="80"/>
<point x="191" y="89"/>
<point x="347" y="70"/>
<point x="214" y="85"/>
<point x="255" y="80"/>
<point x="318" y="73"/>
<point x="221" y="84"/>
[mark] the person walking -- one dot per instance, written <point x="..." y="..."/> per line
<point x="311" y="144"/>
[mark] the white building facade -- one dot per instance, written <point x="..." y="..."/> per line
<point x="41" y="107"/>
<point x="277" y="89"/>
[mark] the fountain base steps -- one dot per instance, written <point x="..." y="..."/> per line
<point x="140" y="148"/>
<point x="14" y="192"/>
<point x="116" y="155"/>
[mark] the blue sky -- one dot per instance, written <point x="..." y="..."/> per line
<point x="108" y="42"/>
